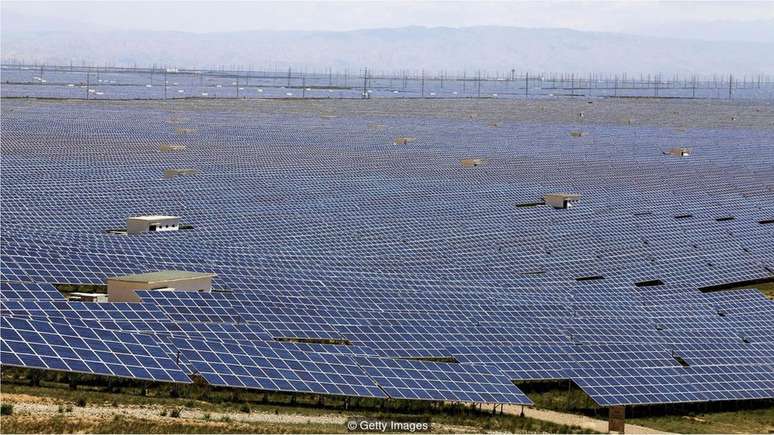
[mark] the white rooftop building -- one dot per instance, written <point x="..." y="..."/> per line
<point x="560" y="200"/>
<point x="678" y="152"/>
<point x="145" y="224"/>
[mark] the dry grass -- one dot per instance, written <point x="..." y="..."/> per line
<point x="57" y="409"/>
<point x="122" y="424"/>
<point x="743" y="421"/>
<point x="765" y="288"/>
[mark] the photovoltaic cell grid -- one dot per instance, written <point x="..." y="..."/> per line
<point x="400" y="252"/>
<point x="610" y="387"/>
<point x="43" y="345"/>
<point x="276" y="369"/>
<point x="108" y="311"/>
<point x="425" y="380"/>
<point x="29" y="291"/>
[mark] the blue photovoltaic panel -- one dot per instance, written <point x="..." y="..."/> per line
<point x="42" y="345"/>
<point x="523" y="362"/>
<point x="192" y="306"/>
<point x="427" y="380"/>
<point x="29" y="291"/>
<point x="395" y="250"/>
<point x="275" y="368"/>
<point x="104" y="311"/>
<point x="610" y="387"/>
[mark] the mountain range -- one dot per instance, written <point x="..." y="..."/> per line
<point x="486" y="48"/>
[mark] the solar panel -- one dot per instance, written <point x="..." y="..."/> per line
<point x="276" y="368"/>
<point x="106" y="311"/>
<point x="426" y="380"/>
<point x="524" y="362"/>
<point x="612" y="386"/>
<point x="396" y="249"/>
<point x="29" y="291"/>
<point x="192" y="306"/>
<point x="609" y="387"/>
<point x="37" y="344"/>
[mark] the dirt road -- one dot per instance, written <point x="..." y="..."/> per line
<point x="576" y="420"/>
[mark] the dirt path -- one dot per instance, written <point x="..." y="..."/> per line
<point x="154" y="412"/>
<point x="43" y="406"/>
<point x="576" y="420"/>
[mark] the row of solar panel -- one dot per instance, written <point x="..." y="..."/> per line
<point x="38" y="344"/>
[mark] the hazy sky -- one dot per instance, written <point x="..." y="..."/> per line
<point x="212" y="16"/>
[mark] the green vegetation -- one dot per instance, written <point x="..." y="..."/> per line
<point x="742" y="421"/>
<point x="6" y="409"/>
<point x="563" y="396"/>
<point x="753" y="416"/>
<point x="163" y="408"/>
<point x="122" y="424"/>
<point x="767" y="288"/>
<point x="82" y="288"/>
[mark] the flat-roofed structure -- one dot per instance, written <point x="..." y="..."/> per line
<point x="471" y="163"/>
<point x="561" y="199"/>
<point x="403" y="140"/>
<point x="122" y="288"/>
<point x="175" y="172"/>
<point x="678" y="152"/>
<point x="152" y="223"/>
<point x="87" y="297"/>
<point x="171" y="147"/>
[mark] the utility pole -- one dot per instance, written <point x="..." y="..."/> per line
<point x="656" y="80"/>
<point x="289" y="73"/>
<point x="526" y="84"/>
<point x="365" y="83"/>
<point x="88" y="83"/>
<point x="165" y="82"/>
<point x="730" y="82"/>
<point x="572" y="84"/>
<point x="479" y="83"/>
<point x="423" y="83"/>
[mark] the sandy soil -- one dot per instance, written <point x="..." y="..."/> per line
<point x="36" y="408"/>
<point x="576" y="420"/>
<point x="154" y="412"/>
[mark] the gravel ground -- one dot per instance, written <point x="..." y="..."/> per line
<point x="43" y="407"/>
<point x="154" y="412"/>
<point x="576" y="420"/>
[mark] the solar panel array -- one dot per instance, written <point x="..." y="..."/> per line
<point x="114" y="83"/>
<point x="349" y="265"/>
<point x="43" y="345"/>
